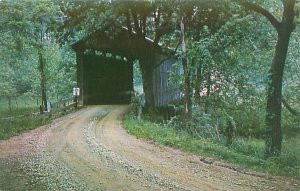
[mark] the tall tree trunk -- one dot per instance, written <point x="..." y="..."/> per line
<point x="9" y="104"/>
<point x="274" y="93"/>
<point x="186" y="70"/>
<point x="274" y="90"/>
<point x="43" y="81"/>
<point x="146" y="62"/>
<point x="198" y="83"/>
<point x="208" y="87"/>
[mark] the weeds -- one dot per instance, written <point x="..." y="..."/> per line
<point x="246" y="152"/>
<point x="24" y="117"/>
<point x="13" y="126"/>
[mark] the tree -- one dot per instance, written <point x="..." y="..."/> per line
<point x="11" y="47"/>
<point x="40" y="19"/>
<point x="186" y="69"/>
<point x="284" y="29"/>
<point x="43" y="18"/>
<point x="7" y="87"/>
<point x="28" y="38"/>
<point x="198" y="23"/>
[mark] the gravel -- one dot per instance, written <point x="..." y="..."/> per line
<point x="123" y="166"/>
<point x="45" y="172"/>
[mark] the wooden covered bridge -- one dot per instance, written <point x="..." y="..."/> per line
<point x="105" y="69"/>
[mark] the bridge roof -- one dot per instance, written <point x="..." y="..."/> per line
<point x="122" y="43"/>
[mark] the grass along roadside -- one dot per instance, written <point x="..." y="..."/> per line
<point x="15" y="126"/>
<point x="23" y="119"/>
<point x="18" y="121"/>
<point x="246" y="153"/>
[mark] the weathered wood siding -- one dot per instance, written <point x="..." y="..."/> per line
<point x="79" y="65"/>
<point x="165" y="91"/>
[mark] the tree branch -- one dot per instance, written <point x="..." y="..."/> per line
<point x="176" y="48"/>
<point x="289" y="108"/>
<point x="289" y="12"/>
<point x="162" y="30"/>
<point x="136" y="22"/>
<point x="156" y="15"/>
<point x="144" y="27"/>
<point x="262" y="11"/>
<point x="128" y="23"/>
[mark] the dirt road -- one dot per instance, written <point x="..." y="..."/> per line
<point x="89" y="150"/>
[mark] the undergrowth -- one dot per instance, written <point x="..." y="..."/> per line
<point x="14" y="123"/>
<point x="19" y="120"/>
<point x="245" y="152"/>
<point x="13" y="127"/>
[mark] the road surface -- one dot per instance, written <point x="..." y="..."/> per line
<point x="90" y="150"/>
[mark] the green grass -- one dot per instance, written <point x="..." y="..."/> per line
<point x="19" y="119"/>
<point x="247" y="153"/>
<point x="15" y="126"/>
<point x="5" y="113"/>
<point x="18" y="104"/>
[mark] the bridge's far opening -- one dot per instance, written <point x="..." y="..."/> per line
<point x="137" y="77"/>
<point x="106" y="80"/>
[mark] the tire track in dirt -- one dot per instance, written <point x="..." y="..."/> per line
<point x="74" y="145"/>
<point x="89" y="150"/>
<point x="109" y="132"/>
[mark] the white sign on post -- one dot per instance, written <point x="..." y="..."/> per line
<point x="48" y="106"/>
<point x="76" y="91"/>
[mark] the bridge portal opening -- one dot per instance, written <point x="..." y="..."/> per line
<point x="106" y="80"/>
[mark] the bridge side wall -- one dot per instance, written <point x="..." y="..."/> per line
<point x="165" y="89"/>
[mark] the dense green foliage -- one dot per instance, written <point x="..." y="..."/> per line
<point x="27" y="40"/>
<point x="33" y="64"/>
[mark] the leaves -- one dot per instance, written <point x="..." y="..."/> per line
<point x="29" y="28"/>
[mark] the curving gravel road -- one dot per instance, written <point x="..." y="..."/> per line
<point x="89" y="150"/>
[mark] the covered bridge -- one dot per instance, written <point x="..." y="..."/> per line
<point x="105" y="69"/>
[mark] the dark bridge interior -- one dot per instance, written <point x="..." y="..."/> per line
<point x="106" y="80"/>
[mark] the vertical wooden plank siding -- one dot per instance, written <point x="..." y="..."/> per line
<point x="79" y="65"/>
<point x="164" y="92"/>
